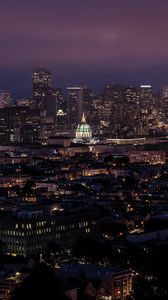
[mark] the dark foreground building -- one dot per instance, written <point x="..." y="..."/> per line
<point x="29" y="233"/>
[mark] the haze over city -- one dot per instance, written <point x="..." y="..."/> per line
<point x="94" y="41"/>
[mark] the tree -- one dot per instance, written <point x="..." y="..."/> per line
<point x="27" y="189"/>
<point x="41" y="284"/>
<point x="113" y="229"/>
<point x="92" y="251"/>
<point x="85" y="247"/>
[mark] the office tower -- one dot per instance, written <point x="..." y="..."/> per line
<point x="112" y="98"/>
<point x="5" y="98"/>
<point x="164" y="92"/>
<point x="120" y="110"/>
<point x="19" y="125"/>
<point x="75" y="104"/>
<point x="44" y="96"/>
<point x="145" y="92"/>
<point x="87" y="103"/>
<point x="131" y="94"/>
<point x="114" y="93"/>
<point x="41" y="87"/>
<point x="60" y="100"/>
<point x="53" y="227"/>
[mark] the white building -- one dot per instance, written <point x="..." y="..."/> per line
<point x="83" y="131"/>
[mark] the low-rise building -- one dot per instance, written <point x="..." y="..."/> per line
<point x="107" y="282"/>
<point x="150" y="157"/>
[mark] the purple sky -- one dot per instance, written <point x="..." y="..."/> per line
<point x="92" y="41"/>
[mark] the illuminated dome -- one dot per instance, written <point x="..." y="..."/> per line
<point x="60" y="112"/>
<point x="83" y="131"/>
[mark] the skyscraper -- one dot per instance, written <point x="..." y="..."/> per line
<point x="5" y="98"/>
<point x="145" y="92"/>
<point x="164" y="92"/>
<point x="19" y="124"/>
<point x="75" y="104"/>
<point x="113" y="92"/>
<point x="44" y="96"/>
<point x="131" y="94"/>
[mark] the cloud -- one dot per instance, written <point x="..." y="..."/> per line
<point x="83" y="35"/>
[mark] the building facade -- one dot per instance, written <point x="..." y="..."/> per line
<point x="44" y="95"/>
<point x="19" y="124"/>
<point x="75" y="104"/>
<point x="5" y="98"/>
<point x="29" y="233"/>
<point x="83" y="130"/>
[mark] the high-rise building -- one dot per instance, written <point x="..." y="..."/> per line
<point x="5" y="98"/>
<point x="42" y="84"/>
<point x="41" y="87"/>
<point x="163" y="101"/>
<point x="113" y="92"/>
<point x="60" y="100"/>
<point x="113" y="97"/>
<point x="44" y="96"/>
<point x="145" y="92"/>
<point x="131" y="94"/>
<point x="19" y="124"/>
<point x="164" y="92"/>
<point x="75" y="104"/>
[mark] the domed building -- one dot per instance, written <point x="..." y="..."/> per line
<point x="83" y="131"/>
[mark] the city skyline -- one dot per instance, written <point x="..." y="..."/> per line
<point x="83" y="150"/>
<point x="93" y="42"/>
<point x="26" y="89"/>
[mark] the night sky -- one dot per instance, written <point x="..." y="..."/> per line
<point x="90" y="41"/>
